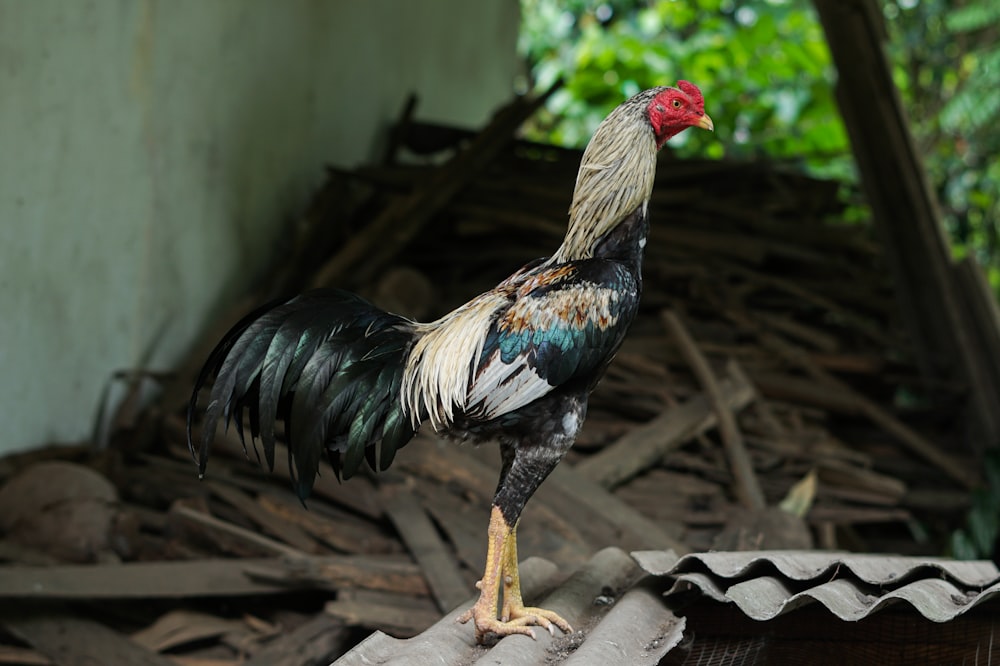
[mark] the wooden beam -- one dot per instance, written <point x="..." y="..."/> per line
<point x="209" y="578"/>
<point x="646" y="444"/>
<point x="369" y="251"/>
<point x="905" y="210"/>
<point x="421" y="538"/>
<point x="70" y="640"/>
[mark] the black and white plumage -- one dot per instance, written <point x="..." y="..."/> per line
<point x="515" y="364"/>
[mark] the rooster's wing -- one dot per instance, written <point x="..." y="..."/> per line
<point x="564" y="324"/>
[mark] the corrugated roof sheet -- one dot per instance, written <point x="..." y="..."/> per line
<point x="616" y="622"/>
<point x="621" y="617"/>
<point x="765" y="584"/>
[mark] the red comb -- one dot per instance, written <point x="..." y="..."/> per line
<point x="691" y="90"/>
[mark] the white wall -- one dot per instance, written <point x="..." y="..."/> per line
<point x="150" y="150"/>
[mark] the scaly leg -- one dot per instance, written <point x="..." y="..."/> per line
<point x="513" y="605"/>
<point x="548" y="430"/>
<point x="501" y="569"/>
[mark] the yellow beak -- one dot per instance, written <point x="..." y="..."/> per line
<point x="706" y="123"/>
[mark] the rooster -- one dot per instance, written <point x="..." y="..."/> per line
<point x="514" y="365"/>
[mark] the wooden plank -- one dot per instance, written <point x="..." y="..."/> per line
<point x="271" y="522"/>
<point x="816" y="338"/>
<point x="337" y="572"/>
<point x="231" y="538"/>
<point x="747" y="486"/>
<point x="904" y="434"/>
<point x="180" y="627"/>
<point x="979" y="302"/>
<point x="464" y="523"/>
<point x="646" y="444"/>
<point x="848" y="515"/>
<point x="865" y="485"/>
<point x="800" y="294"/>
<point x="399" y="615"/>
<point x="23" y="657"/>
<point x="804" y="391"/>
<point x="636" y="530"/>
<point x="368" y="252"/>
<point x="71" y="640"/>
<point x="317" y="641"/>
<point x="341" y="531"/>
<point x="208" y="578"/>
<point x="421" y="538"/>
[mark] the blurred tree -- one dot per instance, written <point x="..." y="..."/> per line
<point x="948" y="69"/>
<point x="947" y="55"/>
<point x="763" y="64"/>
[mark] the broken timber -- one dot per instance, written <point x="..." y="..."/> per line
<point x="946" y="325"/>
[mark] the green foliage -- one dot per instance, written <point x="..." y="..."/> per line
<point x="947" y="66"/>
<point x="974" y="16"/>
<point x="763" y="65"/>
<point x="982" y="526"/>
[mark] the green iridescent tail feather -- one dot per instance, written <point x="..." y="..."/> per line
<point x="329" y="365"/>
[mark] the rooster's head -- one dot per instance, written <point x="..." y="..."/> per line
<point x="673" y="110"/>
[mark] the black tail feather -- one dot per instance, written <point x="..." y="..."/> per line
<point x="278" y="367"/>
<point x="328" y="364"/>
<point x="215" y="359"/>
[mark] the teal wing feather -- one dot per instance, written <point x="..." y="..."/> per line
<point x="564" y="324"/>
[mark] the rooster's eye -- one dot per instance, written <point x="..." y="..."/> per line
<point x="677" y="104"/>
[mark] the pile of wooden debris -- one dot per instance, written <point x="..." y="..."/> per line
<point x="765" y="398"/>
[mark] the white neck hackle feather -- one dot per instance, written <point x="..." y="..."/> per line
<point x="615" y="178"/>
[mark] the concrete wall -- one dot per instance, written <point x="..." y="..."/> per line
<point x="151" y="149"/>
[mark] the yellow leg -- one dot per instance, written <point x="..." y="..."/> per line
<point x="512" y="578"/>
<point x="501" y="569"/>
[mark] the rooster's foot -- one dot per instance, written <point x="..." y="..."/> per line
<point x="516" y="620"/>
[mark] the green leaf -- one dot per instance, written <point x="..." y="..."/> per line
<point x="962" y="547"/>
<point x="974" y="16"/>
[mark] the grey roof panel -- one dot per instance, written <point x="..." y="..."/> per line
<point x="616" y="621"/>
<point x="766" y="584"/>
<point x="812" y="565"/>
<point x="637" y="631"/>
